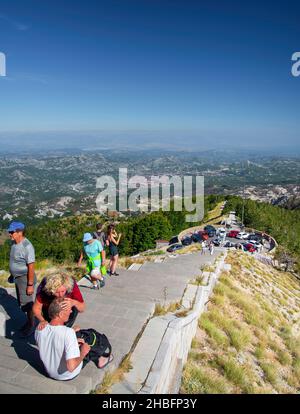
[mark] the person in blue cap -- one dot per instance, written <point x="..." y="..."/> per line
<point x="21" y="266"/>
<point x="95" y="254"/>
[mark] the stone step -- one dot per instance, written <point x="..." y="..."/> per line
<point x="6" y="388"/>
<point x="13" y="363"/>
<point x="19" y="350"/>
<point x="5" y="341"/>
<point x="120" y="310"/>
<point x="38" y="383"/>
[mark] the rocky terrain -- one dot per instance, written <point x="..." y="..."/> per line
<point x="42" y="186"/>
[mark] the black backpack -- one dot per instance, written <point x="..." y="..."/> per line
<point x="100" y="345"/>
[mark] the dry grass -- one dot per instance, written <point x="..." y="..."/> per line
<point x="111" y="378"/>
<point x="182" y="313"/>
<point x="193" y="248"/>
<point x="198" y="281"/>
<point x="249" y="335"/>
<point x="125" y="262"/>
<point x="164" y="309"/>
<point x="3" y="279"/>
<point x="215" y="216"/>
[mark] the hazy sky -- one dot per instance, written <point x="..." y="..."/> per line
<point x="218" y="71"/>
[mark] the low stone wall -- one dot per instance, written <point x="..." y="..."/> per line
<point x="165" y="372"/>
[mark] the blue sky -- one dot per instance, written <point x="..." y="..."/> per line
<point x="219" y="69"/>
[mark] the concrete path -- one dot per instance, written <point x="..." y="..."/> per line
<point x="120" y="310"/>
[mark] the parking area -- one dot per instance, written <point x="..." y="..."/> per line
<point x="230" y="234"/>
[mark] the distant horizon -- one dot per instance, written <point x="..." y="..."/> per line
<point x="135" y="140"/>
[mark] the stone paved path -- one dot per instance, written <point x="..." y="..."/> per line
<point x="120" y="310"/>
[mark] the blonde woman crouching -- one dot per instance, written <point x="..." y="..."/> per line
<point x="57" y="285"/>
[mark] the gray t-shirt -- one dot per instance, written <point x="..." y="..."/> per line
<point x="21" y="255"/>
<point x="101" y="236"/>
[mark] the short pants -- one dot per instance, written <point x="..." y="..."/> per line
<point x="96" y="272"/>
<point x="25" y="302"/>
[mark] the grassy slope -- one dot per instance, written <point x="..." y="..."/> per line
<point x="248" y="341"/>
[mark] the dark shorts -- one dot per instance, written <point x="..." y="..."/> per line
<point x="25" y="302"/>
<point x="113" y="250"/>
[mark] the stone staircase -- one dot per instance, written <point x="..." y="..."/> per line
<point x="120" y="310"/>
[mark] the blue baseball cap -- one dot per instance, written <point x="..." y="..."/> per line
<point x="16" y="225"/>
<point x="87" y="237"/>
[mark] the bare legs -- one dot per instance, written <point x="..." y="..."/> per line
<point x="95" y="276"/>
<point x="113" y="263"/>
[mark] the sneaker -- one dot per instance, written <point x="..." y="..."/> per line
<point x="101" y="283"/>
<point x="95" y="287"/>
<point x="115" y="274"/>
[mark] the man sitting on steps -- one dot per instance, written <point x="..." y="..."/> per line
<point x="64" y="353"/>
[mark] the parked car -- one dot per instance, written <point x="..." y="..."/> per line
<point x="197" y="238"/>
<point x="174" y="247"/>
<point x="250" y="248"/>
<point x="229" y="244"/>
<point x="187" y="241"/>
<point x="255" y="243"/>
<point x="221" y="232"/>
<point x="210" y="230"/>
<point x="241" y="246"/>
<point x="216" y="242"/>
<point x="233" y="234"/>
<point x="203" y="234"/>
<point x="174" y="240"/>
<point x="242" y="235"/>
<point x="254" y="236"/>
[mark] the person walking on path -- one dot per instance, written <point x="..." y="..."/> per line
<point x="211" y="248"/>
<point x="100" y="235"/>
<point x="57" y="285"/>
<point x="203" y="245"/>
<point x="113" y="240"/>
<point x="21" y="266"/>
<point x="95" y="254"/>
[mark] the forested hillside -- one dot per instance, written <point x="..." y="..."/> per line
<point x="61" y="239"/>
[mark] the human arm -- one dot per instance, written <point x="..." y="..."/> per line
<point x="73" y="363"/>
<point x="75" y="299"/>
<point x="30" y="279"/>
<point x="73" y="302"/>
<point x="116" y="241"/>
<point x="30" y="259"/>
<point x="74" y="352"/>
<point x="37" y="311"/>
<point x="80" y="258"/>
<point x="103" y="257"/>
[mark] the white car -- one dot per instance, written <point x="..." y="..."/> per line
<point x="221" y="231"/>
<point x="242" y="235"/>
<point x="255" y="243"/>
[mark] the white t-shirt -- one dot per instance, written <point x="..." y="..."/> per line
<point x="56" y="345"/>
